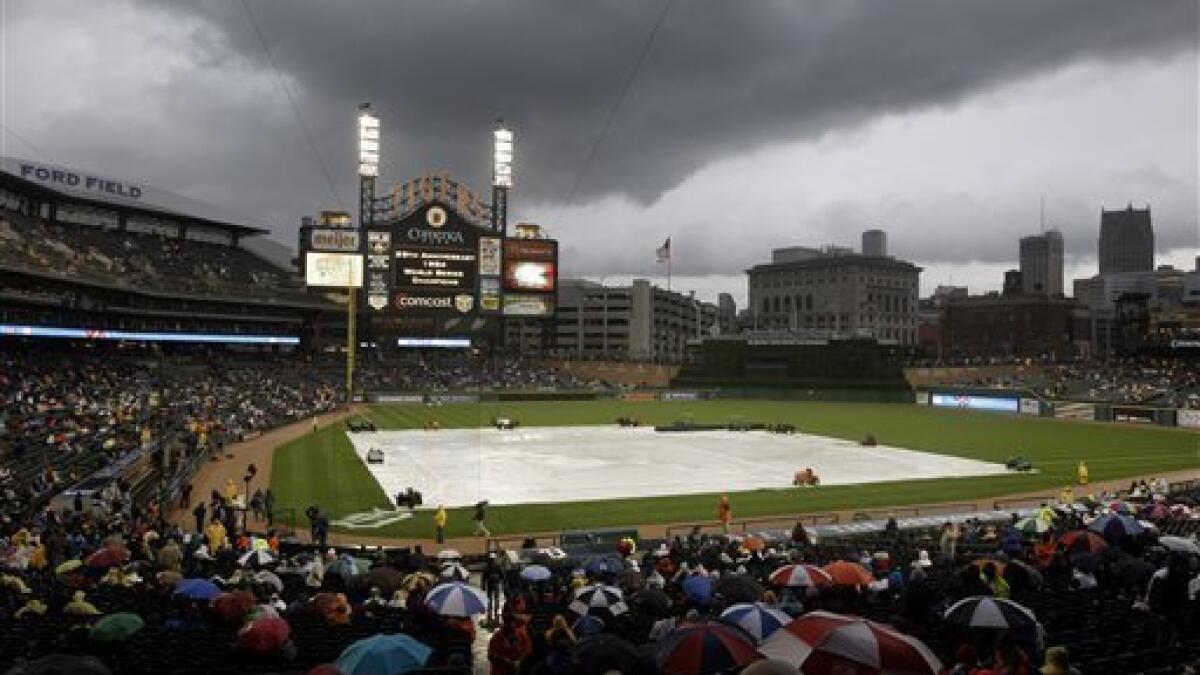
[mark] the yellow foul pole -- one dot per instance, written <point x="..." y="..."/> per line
<point x="351" y="340"/>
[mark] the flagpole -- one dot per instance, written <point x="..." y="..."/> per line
<point x="668" y="270"/>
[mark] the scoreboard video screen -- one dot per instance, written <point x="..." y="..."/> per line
<point x="434" y="265"/>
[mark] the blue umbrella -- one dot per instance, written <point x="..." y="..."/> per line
<point x="698" y="589"/>
<point x="588" y="625"/>
<point x="757" y="619"/>
<point x="391" y="654"/>
<point x="197" y="589"/>
<point x="456" y="599"/>
<point x="345" y="567"/>
<point x="535" y="573"/>
<point x="1116" y="526"/>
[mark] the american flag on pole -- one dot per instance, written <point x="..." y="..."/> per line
<point x="663" y="253"/>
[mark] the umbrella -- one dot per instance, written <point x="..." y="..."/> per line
<point x="386" y="579"/>
<point x="269" y="579"/>
<point x="455" y="571"/>
<point x="345" y="567"/>
<point x="1122" y="507"/>
<point x="698" y="589"/>
<point x="264" y="635"/>
<point x="598" y="597"/>
<point x="588" y="625"/>
<point x="820" y="643"/>
<point x="391" y="654"/>
<point x="449" y="554"/>
<point x="116" y="627"/>
<point x="106" y="557"/>
<point x="704" y="647"/>
<point x="1094" y="541"/>
<point x="69" y="566"/>
<point x="332" y="607"/>
<point x="535" y="573"/>
<point x="232" y="607"/>
<point x="652" y="602"/>
<point x="412" y="580"/>
<point x="1114" y="527"/>
<point x="1032" y="527"/>
<point x="1019" y="567"/>
<point x="456" y="599"/>
<point x="1180" y="545"/>
<point x="982" y="611"/>
<point x="809" y="576"/>
<point x="842" y="573"/>
<point x="758" y="620"/>
<point x="605" y="653"/>
<point x="754" y="543"/>
<point x="197" y="589"/>
<point x="257" y="558"/>
<point x="735" y="588"/>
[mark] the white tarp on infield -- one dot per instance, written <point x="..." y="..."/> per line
<point x="458" y="467"/>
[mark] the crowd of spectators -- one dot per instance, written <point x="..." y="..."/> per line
<point x="68" y="411"/>
<point x="133" y="259"/>
<point x="143" y="596"/>
<point x="1164" y="382"/>
<point x="459" y="370"/>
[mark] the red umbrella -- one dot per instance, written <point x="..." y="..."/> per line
<point x="704" y="647"/>
<point x="233" y="607"/>
<point x="842" y="573"/>
<point x="823" y="643"/>
<point x="264" y="635"/>
<point x="106" y="557"/>
<point x="810" y="576"/>
<point x="1094" y="541"/>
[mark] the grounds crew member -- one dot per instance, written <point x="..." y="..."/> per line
<point x="439" y="519"/>
<point x="479" y="517"/>
<point x="1082" y="472"/>
<point x="724" y="513"/>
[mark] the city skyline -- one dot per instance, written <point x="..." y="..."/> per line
<point x="730" y="138"/>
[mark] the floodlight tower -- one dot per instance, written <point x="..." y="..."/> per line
<point x="368" y="170"/>
<point x="502" y="157"/>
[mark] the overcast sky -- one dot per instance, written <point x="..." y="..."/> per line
<point x="749" y="124"/>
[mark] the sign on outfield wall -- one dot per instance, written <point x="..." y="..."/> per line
<point x="1188" y="418"/>
<point x="681" y="396"/>
<point x="970" y="402"/>
<point x="922" y="398"/>
<point x="335" y="240"/>
<point x="1031" y="406"/>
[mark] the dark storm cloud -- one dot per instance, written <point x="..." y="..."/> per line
<point x="722" y="79"/>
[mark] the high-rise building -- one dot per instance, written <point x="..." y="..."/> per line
<point x="1042" y="263"/>
<point x="874" y="243"/>
<point x="1126" y="241"/>
<point x="726" y="313"/>
<point x="1013" y="284"/>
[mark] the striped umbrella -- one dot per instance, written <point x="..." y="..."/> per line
<point x="983" y="611"/>
<point x="1115" y="526"/>
<point x="456" y="599"/>
<point x="598" y="597"/>
<point x="822" y="643"/>
<point x="843" y="573"/>
<point x="757" y="619"/>
<point x="704" y="647"/>
<point x="1032" y="527"/>
<point x="256" y="558"/>
<point x="455" y="572"/>
<point x="809" y="576"/>
<point x="1094" y="541"/>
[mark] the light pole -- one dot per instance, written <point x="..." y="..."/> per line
<point x="368" y="170"/>
<point x="502" y="177"/>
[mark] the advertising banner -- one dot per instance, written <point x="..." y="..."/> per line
<point x="333" y="270"/>
<point x="681" y="396"/>
<point x="922" y="398"/>
<point x="334" y="240"/>
<point x="489" y="294"/>
<point x="400" y="398"/>
<point x="971" y="402"/>
<point x="1075" y="411"/>
<point x="529" y="276"/>
<point x="1031" y="406"/>
<point x="516" y="304"/>
<point x="1188" y="418"/>
<point x="489" y="256"/>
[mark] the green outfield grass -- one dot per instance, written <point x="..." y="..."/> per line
<point x="322" y="469"/>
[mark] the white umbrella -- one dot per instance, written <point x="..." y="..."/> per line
<point x="257" y="557"/>
<point x="455" y="571"/>
<point x="456" y="599"/>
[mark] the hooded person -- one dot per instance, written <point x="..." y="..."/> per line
<point x="79" y="606"/>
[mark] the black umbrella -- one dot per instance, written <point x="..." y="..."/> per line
<point x="62" y="664"/>
<point x="735" y="588"/>
<point x="605" y="652"/>
<point x="982" y="611"/>
<point x="651" y="602"/>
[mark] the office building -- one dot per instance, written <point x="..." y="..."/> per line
<point x="835" y="293"/>
<point x="1126" y="241"/>
<point x="1042" y="264"/>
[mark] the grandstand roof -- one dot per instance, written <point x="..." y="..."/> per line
<point x="104" y="190"/>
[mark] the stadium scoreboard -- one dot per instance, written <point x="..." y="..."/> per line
<point x="433" y="264"/>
